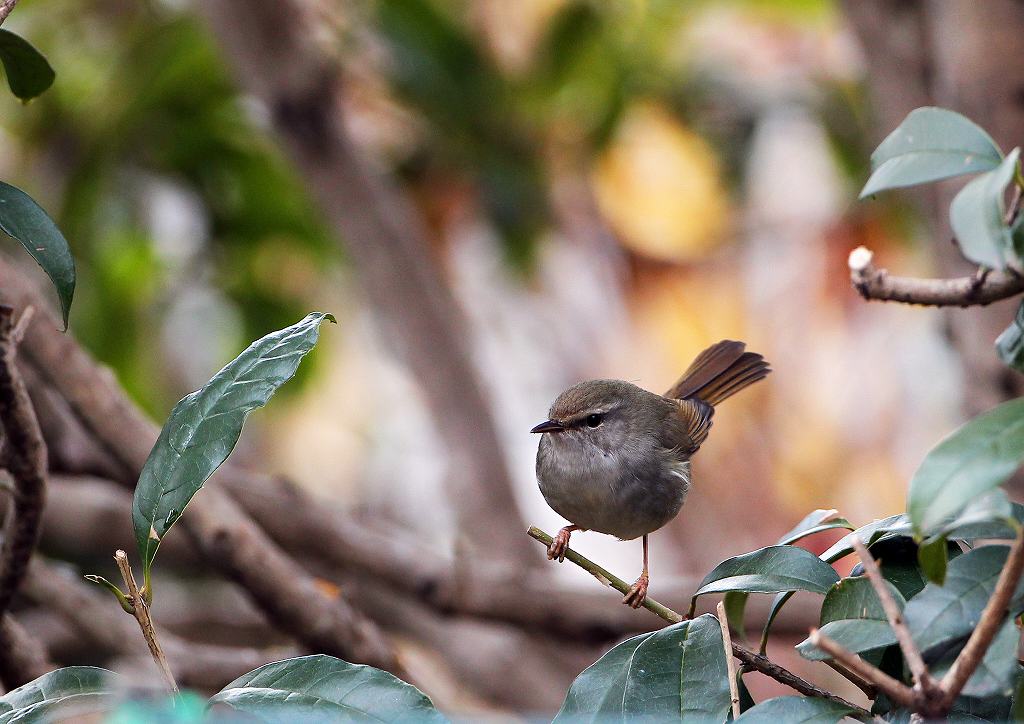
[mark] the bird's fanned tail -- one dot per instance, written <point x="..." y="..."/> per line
<point x="720" y="371"/>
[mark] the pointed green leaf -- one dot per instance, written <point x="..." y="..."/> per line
<point x="930" y="144"/>
<point x="857" y="635"/>
<point x="969" y="463"/>
<point x="204" y="426"/>
<point x="735" y="610"/>
<point x="815" y="522"/>
<point x="990" y="516"/>
<point x="23" y="219"/>
<point x="678" y="672"/>
<point x="1010" y="344"/>
<point x="874" y="532"/>
<point x="322" y="688"/>
<point x="795" y="710"/>
<point x="62" y="695"/>
<point x="978" y="216"/>
<point x="770" y="570"/>
<point x="28" y="73"/>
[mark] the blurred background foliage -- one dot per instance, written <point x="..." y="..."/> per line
<point x="720" y="144"/>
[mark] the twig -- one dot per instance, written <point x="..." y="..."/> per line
<point x="25" y="459"/>
<point x="141" y="613"/>
<point x="878" y="284"/>
<point x="870" y="690"/>
<point x="895" y="690"/>
<point x="6" y="6"/>
<point x="991" y="620"/>
<point x="605" y="577"/>
<point x="918" y="668"/>
<point x="734" y="689"/>
<point x="748" y="657"/>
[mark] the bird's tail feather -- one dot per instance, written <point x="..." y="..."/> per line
<point x="719" y="372"/>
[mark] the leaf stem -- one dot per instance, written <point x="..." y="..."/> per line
<point x="141" y="613"/>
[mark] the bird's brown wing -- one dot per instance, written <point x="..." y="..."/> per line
<point x="695" y="418"/>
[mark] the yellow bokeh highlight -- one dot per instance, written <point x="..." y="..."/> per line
<point x="659" y="185"/>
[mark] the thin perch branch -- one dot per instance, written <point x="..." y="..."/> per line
<point x="918" y="668"/>
<point x="991" y="620"/>
<point x="734" y="689"/>
<point x="976" y="290"/>
<point x="895" y="690"/>
<point x="6" y="6"/>
<point x="748" y="657"/>
<point x="141" y="613"/>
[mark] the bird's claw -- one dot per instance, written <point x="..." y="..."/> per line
<point x="637" y="593"/>
<point x="556" y="551"/>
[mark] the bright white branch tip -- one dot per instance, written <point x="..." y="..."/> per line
<point x="860" y="258"/>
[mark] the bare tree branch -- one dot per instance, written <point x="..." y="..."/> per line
<point x="6" y="6"/>
<point x="978" y="290"/>
<point x="23" y="659"/>
<point x="895" y="690"/>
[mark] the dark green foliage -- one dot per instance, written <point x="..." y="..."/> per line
<point x="28" y="73"/>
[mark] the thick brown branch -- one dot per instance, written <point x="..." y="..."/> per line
<point x="992" y="619"/>
<point x="25" y="460"/>
<point x="24" y="658"/>
<point x="752" y="660"/>
<point x="980" y="289"/>
<point x="899" y="626"/>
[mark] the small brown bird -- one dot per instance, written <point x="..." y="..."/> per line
<point x="615" y="458"/>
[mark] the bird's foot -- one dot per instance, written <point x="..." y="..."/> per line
<point x="556" y="551"/>
<point x="637" y="592"/>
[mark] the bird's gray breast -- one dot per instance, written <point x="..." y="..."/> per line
<point x="625" y="495"/>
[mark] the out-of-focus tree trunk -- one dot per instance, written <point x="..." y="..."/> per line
<point x="963" y="55"/>
<point x="279" y="58"/>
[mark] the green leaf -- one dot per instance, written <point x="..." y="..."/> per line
<point x="940" y="614"/>
<point x="28" y="73"/>
<point x="23" y="219"/>
<point x="795" y="710"/>
<point x="322" y="688"/>
<point x="61" y="695"/>
<point x="777" y="603"/>
<point x="998" y="669"/>
<point x="852" y="615"/>
<point x="815" y="522"/>
<point x="1010" y="344"/>
<point x="596" y="694"/>
<point x="978" y="216"/>
<point x="930" y="144"/>
<point x="894" y="526"/>
<point x="770" y="570"/>
<point x="856" y="635"/>
<point x="204" y="426"/>
<point x="678" y="672"/>
<point x="969" y="463"/>
<point x="990" y="516"/>
<point x="932" y="556"/>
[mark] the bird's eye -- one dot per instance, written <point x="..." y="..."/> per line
<point x="594" y="420"/>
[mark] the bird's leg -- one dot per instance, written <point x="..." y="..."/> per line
<point x="638" y="591"/>
<point x="561" y="541"/>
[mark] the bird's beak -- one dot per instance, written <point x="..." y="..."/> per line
<point x="548" y="426"/>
